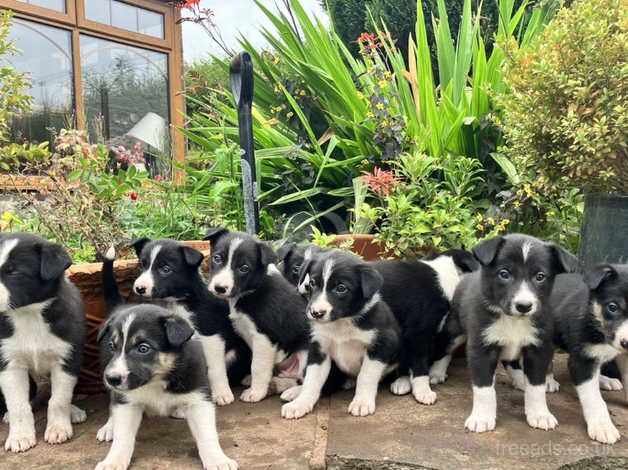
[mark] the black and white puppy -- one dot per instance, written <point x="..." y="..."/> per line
<point x="42" y="332"/>
<point x="504" y="312"/>
<point x="170" y="273"/>
<point x="292" y="257"/>
<point x="265" y="310"/>
<point x="152" y="364"/>
<point x="351" y="326"/>
<point x="419" y="293"/>
<point x="591" y="324"/>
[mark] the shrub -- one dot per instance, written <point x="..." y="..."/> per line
<point x="565" y="114"/>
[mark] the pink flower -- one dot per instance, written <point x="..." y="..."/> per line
<point x="381" y="182"/>
<point x="158" y="178"/>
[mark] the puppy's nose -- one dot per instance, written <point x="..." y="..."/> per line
<point x="318" y="313"/>
<point x="220" y="289"/>
<point x="523" y="307"/>
<point x="114" y="379"/>
<point x="624" y="343"/>
<point x="141" y="290"/>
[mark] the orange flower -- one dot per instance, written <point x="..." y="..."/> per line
<point x="381" y="182"/>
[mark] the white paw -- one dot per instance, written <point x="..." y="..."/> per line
<point x="20" y="443"/>
<point x="222" y="463"/>
<point x="518" y="379"/>
<point x="551" y="384"/>
<point x="291" y="394"/>
<point x="223" y="397"/>
<point x="545" y="421"/>
<point x="437" y="376"/>
<point x="477" y="423"/>
<point x="607" y="383"/>
<point x="57" y="433"/>
<point x="105" y="433"/>
<point x="250" y="395"/>
<point x="178" y="413"/>
<point x="295" y="409"/>
<point x="362" y="406"/>
<point x="77" y="415"/>
<point x="604" y="432"/>
<point x="401" y="386"/>
<point x="112" y="463"/>
<point x="425" y="397"/>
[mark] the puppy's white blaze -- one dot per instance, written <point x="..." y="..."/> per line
<point x="321" y="303"/>
<point x="447" y="273"/>
<point x="599" y="424"/>
<point x="146" y="279"/>
<point x="525" y="250"/>
<point x="302" y="288"/>
<point x="119" y="366"/>
<point x="621" y="334"/>
<point x="524" y="295"/>
<point x="272" y="270"/>
<point x="308" y="254"/>
<point x="225" y="276"/>
<point x="537" y="413"/>
<point x="111" y="253"/>
<point x="602" y="352"/>
<point x="5" y="251"/>
<point x="484" y="412"/>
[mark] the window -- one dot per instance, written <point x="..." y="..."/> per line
<point x="46" y="54"/>
<point x="125" y="16"/>
<point x="57" y="5"/>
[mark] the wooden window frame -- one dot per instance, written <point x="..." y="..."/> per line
<point x="74" y="20"/>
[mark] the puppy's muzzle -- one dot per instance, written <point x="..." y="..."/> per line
<point x="141" y="290"/>
<point x="523" y="307"/>
<point x="116" y="380"/>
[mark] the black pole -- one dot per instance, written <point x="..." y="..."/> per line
<point x="241" y="75"/>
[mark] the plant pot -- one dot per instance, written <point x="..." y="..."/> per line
<point x="363" y="245"/>
<point x="88" y="278"/>
<point x="603" y="238"/>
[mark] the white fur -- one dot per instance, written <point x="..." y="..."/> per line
<point x="447" y="272"/>
<point x="601" y="352"/>
<point x="273" y="270"/>
<point x="421" y="390"/>
<point x="225" y="276"/>
<point x="315" y="376"/>
<point x="14" y="385"/>
<point x="321" y="303"/>
<point x="119" y="365"/>
<point x="524" y="295"/>
<point x="202" y="421"/>
<point x="303" y="287"/>
<point x="599" y="424"/>
<point x="438" y="370"/>
<point x="401" y="386"/>
<point x="371" y="372"/>
<point x="525" y="250"/>
<point x="5" y="251"/>
<point x="126" y="421"/>
<point x="512" y="333"/>
<point x="484" y="412"/>
<point x="537" y="413"/>
<point x="610" y="384"/>
<point x="59" y="423"/>
<point x="215" y="357"/>
<point x="621" y="334"/>
<point x="517" y="377"/>
<point x="146" y="279"/>
<point x="551" y="384"/>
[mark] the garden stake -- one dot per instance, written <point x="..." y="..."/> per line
<point x="241" y="77"/>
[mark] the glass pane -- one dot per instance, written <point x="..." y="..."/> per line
<point x="123" y="85"/>
<point x="123" y="16"/>
<point x="46" y="53"/>
<point x="57" y="5"/>
<point x="98" y="10"/>
<point x="151" y="23"/>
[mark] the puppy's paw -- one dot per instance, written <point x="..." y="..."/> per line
<point x="58" y="433"/>
<point x="77" y="415"/>
<point x="105" y="433"/>
<point x="362" y="406"/>
<point x="223" y="397"/>
<point x="20" y="442"/>
<point x="545" y="421"/>
<point x="112" y="463"/>
<point x="603" y="431"/>
<point x="295" y="410"/>
<point x="221" y="463"/>
<point x="610" y="384"/>
<point x="551" y="384"/>
<point x="291" y="394"/>
<point x="478" y="423"/>
<point x="437" y="376"/>
<point x="425" y="397"/>
<point x="251" y="395"/>
<point x="401" y="386"/>
<point x="518" y="380"/>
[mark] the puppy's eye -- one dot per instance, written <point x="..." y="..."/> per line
<point x="112" y="345"/>
<point x="312" y="283"/>
<point x="540" y="276"/>
<point x="143" y="348"/>
<point x="612" y="308"/>
<point x="244" y="268"/>
<point x="341" y="288"/>
<point x="504" y="274"/>
<point x="217" y="259"/>
<point x="166" y="269"/>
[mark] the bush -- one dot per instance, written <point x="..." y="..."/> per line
<point x="565" y="114"/>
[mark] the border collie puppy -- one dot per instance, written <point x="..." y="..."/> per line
<point x="351" y="326"/>
<point x="292" y="257"/>
<point x="170" y="272"/>
<point x="42" y="332"/>
<point x="419" y="294"/>
<point x="591" y="324"/>
<point x="152" y="364"/>
<point x="504" y="312"/>
<point x="266" y="311"/>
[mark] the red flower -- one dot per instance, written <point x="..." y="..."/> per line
<point x="381" y="182"/>
<point x="189" y="4"/>
<point x="369" y="40"/>
<point x="158" y="178"/>
<point x="133" y="195"/>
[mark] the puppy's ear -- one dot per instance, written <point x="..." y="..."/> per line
<point x="305" y="269"/>
<point x="266" y="254"/>
<point x="178" y="330"/>
<point x="486" y="251"/>
<point x="597" y="276"/>
<point x="139" y="244"/>
<point x="371" y="281"/>
<point x="213" y="234"/>
<point x="285" y="250"/>
<point x="466" y="262"/>
<point x="192" y="257"/>
<point x="54" y="261"/>
<point x="104" y="331"/>
<point x="566" y="262"/>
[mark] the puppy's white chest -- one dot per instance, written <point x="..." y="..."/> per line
<point x="345" y="343"/>
<point x="243" y="325"/>
<point x="32" y="344"/>
<point x="512" y="334"/>
<point x="156" y="401"/>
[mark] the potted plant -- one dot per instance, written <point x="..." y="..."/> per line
<point x="565" y="119"/>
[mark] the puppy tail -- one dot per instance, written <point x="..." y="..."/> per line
<point x="109" y="284"/>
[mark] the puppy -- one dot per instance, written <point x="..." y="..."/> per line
<point x="503" y="310"/>
<point x="292" y="257"/>
<point x="170" y="273"/>
<point x="152" y="365"/>
<point x="42" y="332"/>
<point x="352" y="327"/>
<point x="419" y="294"/>
<point x="591" y="324"/>
<point x="264" y="309"/>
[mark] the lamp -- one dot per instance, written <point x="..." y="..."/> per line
<point x="151" y="130"/>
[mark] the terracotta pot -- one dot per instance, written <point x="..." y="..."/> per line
<point x="88" y="278"/>
<point x="363" y="245"/>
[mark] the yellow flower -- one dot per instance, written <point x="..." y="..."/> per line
<point x="528" y="189"/>
<point x="360" y="95"/>
<point x="480" y="227"/>
<point x="491" y="221"/>
<point x="505" y="221"/>
<point x="277" y="90"/>
<point x="290" y="114"/>
<point x="551" y="213"/>
<point x="8" y="217"/>
<point x="380" y="106"/>
<point x="517" y="204"/>
<point x="272" y="122"/>
<point x="276" y="60"/>
<point x="364" y="162"/>
<point x="387" y="74"/>
<point x="302" y="93"/>
<point x="383" y="84"/>
<point x="480" y="217"/>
